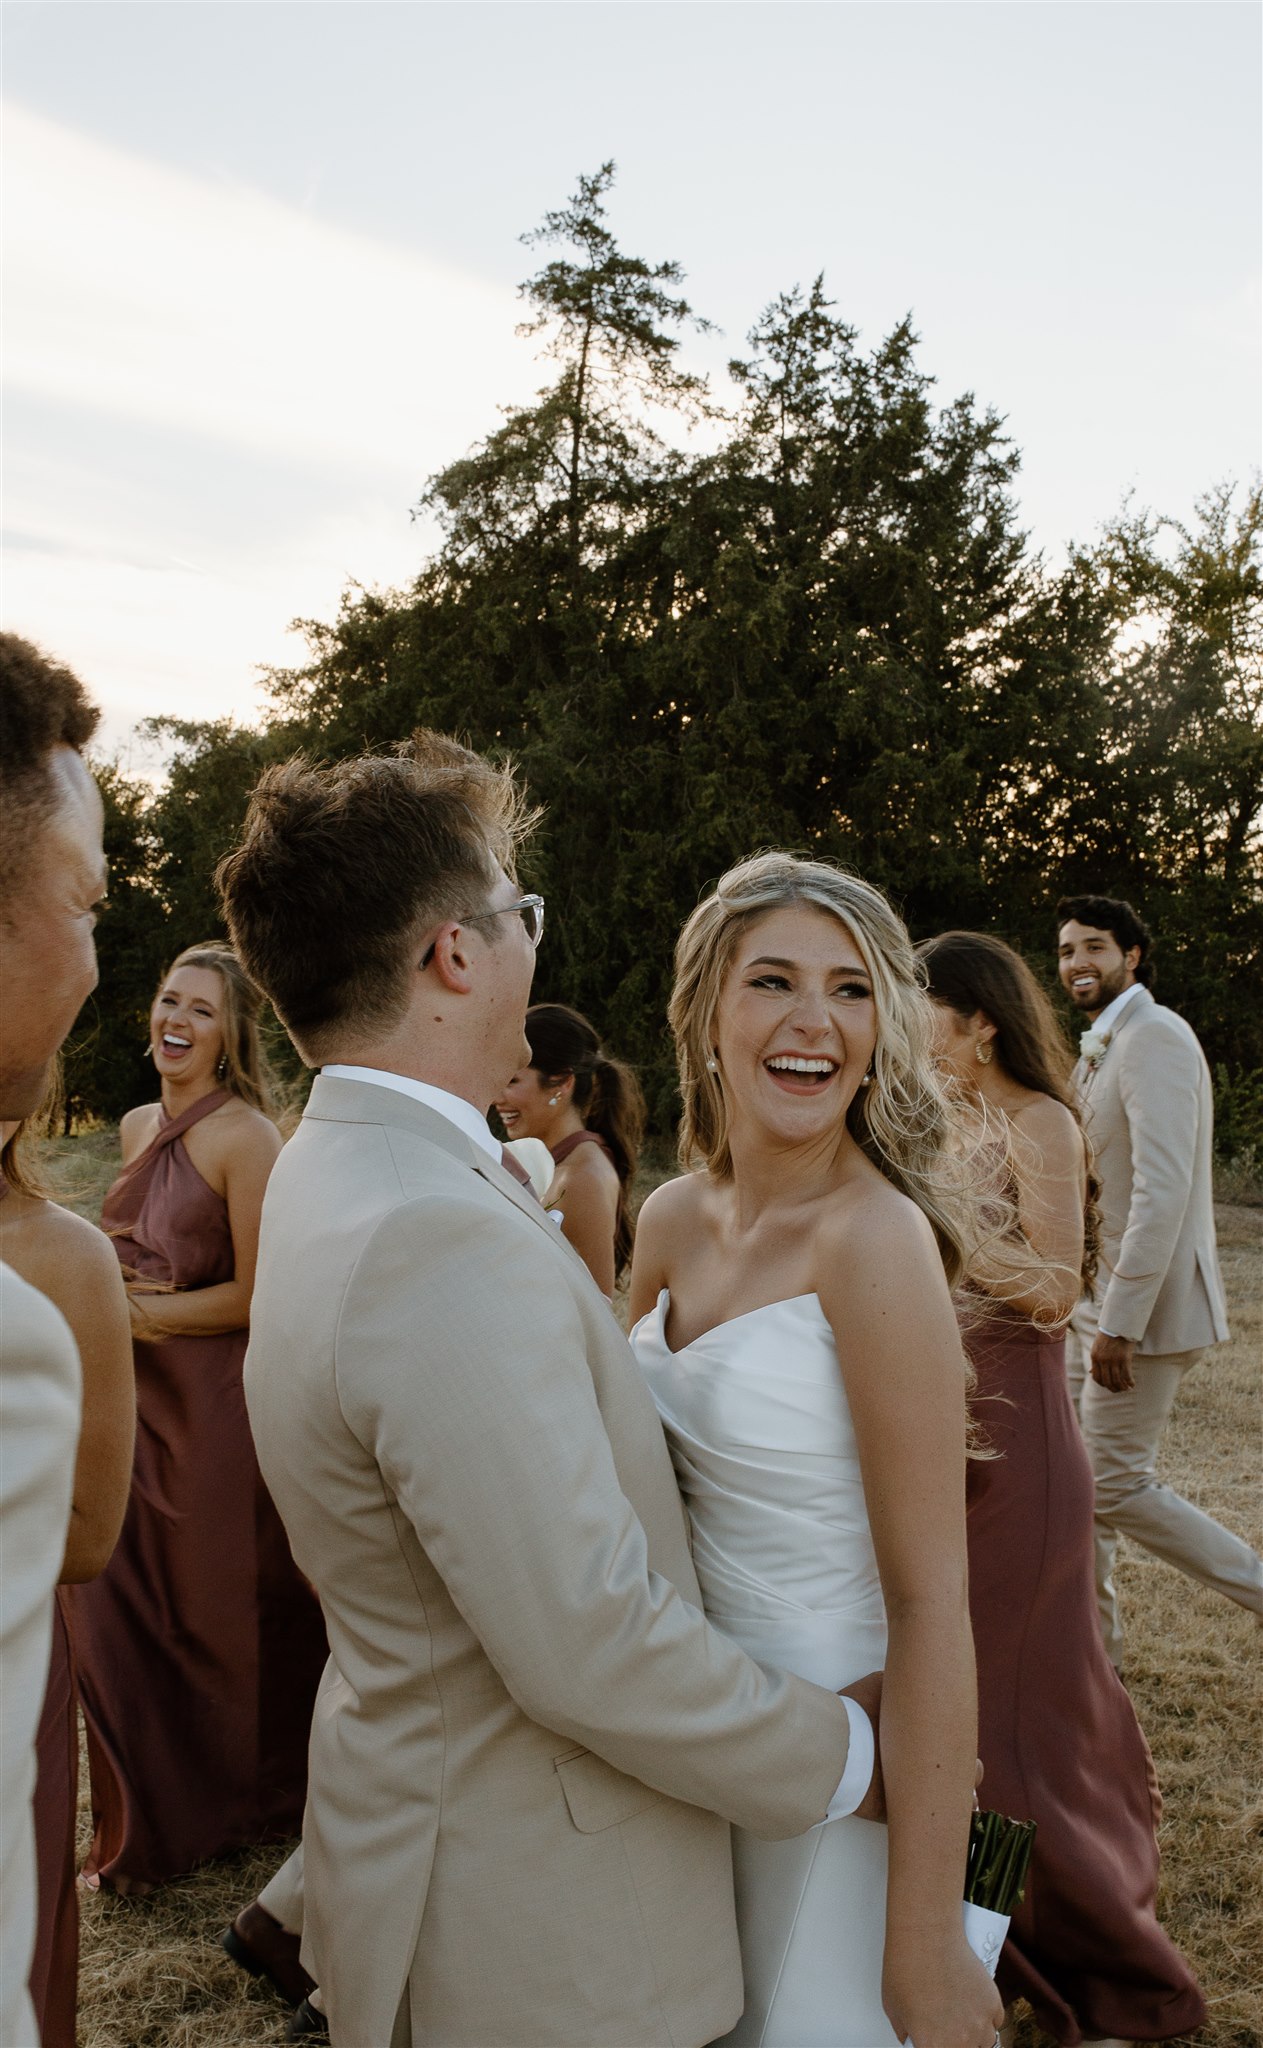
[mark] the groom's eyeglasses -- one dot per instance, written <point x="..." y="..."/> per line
<point x="529" y="908"/>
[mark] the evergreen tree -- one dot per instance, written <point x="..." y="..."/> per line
<point x="106" y="1069"/>
<point x="825" y="630"/>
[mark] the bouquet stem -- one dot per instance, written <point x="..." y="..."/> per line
<point x="995" y="1879"/>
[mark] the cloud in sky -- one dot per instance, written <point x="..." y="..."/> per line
<point x="219" y="410"/>
<point x="151" y="293"/>
<point x="226" y="386"/>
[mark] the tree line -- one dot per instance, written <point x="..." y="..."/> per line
<point x="807" y="619"/>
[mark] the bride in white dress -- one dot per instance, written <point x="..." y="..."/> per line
<point x="795" y="1325"/>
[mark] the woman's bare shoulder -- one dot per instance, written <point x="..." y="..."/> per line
<point x="236" y="1130"/>
<point x="676" y="1201"/>
<point x="138" y="1126"/>
<point x="1048" y="1124"/>
<point x="588" y="1164"/>
<point x="72" y="1230"/>
<point x="674" y="1216"/>
<point x="873" y="1226"/>
<point x="669" y="1227"/>
<point x="67" y="1257"/>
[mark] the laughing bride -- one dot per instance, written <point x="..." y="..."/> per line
<point x="796" y="1328"/>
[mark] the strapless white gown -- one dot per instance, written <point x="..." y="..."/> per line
<point x="756" y="1415"/>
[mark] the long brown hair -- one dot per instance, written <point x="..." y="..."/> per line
<point x="607" y="1096"/>
<point x="971" y="971"/>
<point x="247" y="1070"/>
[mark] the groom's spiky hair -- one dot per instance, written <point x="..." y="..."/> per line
<point x="340" y="869"/>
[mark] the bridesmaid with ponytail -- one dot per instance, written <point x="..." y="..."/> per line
<point x="199" y="1647"/>
<point x="588" y="1109"/>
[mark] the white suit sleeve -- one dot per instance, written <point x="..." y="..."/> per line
<point x="39" y="1434"/>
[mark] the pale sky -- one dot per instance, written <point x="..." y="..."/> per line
<point x="261" y="262"/>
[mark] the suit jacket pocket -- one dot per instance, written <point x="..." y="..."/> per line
<point x="597" y="1795"/>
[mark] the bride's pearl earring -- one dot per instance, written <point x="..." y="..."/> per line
<point x="867" y="1078"/>
<point x="712" y="1065"/>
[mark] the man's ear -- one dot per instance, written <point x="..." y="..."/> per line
<point x="451" y="960"/>
<point x="1131" y="959"/>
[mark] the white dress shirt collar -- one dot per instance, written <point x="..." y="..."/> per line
<point x="1109" y="1016"/>
<point x="454" y="1107"/>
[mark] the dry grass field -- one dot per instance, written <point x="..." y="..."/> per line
<point x="153" y="1976"/>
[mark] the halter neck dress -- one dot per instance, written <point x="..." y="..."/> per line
<point x="590" y="1137"/>
<point x="565" y="1146"/>
<point x="199" y="1647"/>
<point x="1057" y="1733"/>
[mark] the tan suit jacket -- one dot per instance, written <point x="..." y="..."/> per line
<point x="528" y="1743"/>
<point x="39" y="1434"/>
<point x="1149" y="1116"/>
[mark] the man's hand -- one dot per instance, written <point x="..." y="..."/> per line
<point x="1111" y="1362"/>
<point x="866" y="1692"/>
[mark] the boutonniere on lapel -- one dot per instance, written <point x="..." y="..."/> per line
<point x="1092" y="1045"/>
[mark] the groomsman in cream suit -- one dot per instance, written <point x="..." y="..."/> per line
<point x="52" y="878"/>
<point x="1146" y="1097"/>
<point x="528" y="1743"/>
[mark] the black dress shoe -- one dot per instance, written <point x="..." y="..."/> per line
<point x="307" y="2024"/>
<point x="258" y="1943"/>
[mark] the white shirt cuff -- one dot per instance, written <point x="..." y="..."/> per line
<point x="860" y="1760"/>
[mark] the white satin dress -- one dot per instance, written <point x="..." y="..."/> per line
<point x="756" y="1415"/>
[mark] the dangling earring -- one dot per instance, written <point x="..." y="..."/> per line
<point x="221" y="1067"/>
<point x="982" y="1053"/>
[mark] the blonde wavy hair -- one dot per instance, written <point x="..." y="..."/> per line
<point x="904" y="1120"/>
<point x="247" y="1071"/>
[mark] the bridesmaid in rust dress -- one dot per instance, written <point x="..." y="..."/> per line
<point x="588" y="1109"/>
<point x="200" y="1647"/>
<point x="1057" y="1734"/>
<point x="69" y="1261"/>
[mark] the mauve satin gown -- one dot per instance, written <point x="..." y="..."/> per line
<point x="1057" y="1733"/>
<point x="200" y="1646"/>
<point x="55" y="1963"/>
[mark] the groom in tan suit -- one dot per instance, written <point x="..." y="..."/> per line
<point x="1145" y="1092"/>
<point x="528" y="1743"/>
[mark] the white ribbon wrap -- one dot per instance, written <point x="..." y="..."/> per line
<point x="985" y="1932"/>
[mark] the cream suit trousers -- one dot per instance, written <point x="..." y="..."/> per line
<point x="282" y="1895"/>
<point x="1122" y="1433"/>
